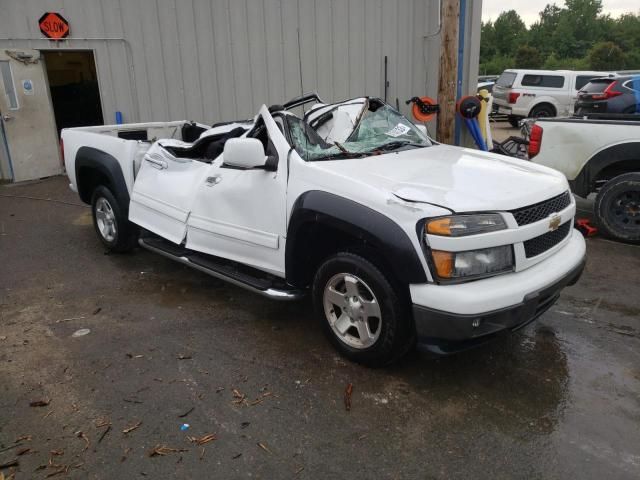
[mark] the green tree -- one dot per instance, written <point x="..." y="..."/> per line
<point x="625" y="31"/>
<point x="607" y="26"/>
<point x="496" y="65"/>
<point x="575" y="64"/>
<point x="607" y="56"/>
<point x="541" y="32"/>
<point x="487" y="40"/>
<point x="528" y="57"/>
<point x="564" y="37"/>
<point x="578" y="28"/>
<point x="633" y="60"/>
<point x="550" y="16"/>
<point x="552" y="63"/>
<point x="510" y="32"/>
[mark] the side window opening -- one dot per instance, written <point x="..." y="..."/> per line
<point x="280" y="124"/>
<point x="548" y="81"/>
<point x="261" y="133"/>
<point x="506" y="79"/>
<point x="581" y="81"/>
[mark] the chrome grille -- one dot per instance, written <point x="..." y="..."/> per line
<point x="539" y="211"/>
<point x="546" y="241"/>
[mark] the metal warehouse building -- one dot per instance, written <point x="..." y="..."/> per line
<point x="205" y="60"/>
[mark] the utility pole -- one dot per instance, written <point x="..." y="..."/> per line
<point x="448" y="75"/>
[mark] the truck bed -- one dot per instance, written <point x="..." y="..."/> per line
<point x="149" y="132"/>
<point x="127" y="143"/>
<point x="568" y="144"/>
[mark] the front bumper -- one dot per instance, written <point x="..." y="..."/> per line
<point x="586" y="107"/>
<point x="444" y="332"/>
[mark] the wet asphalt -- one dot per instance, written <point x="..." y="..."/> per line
<point x="168" y="346"/>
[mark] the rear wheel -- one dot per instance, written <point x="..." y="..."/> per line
<point x="111" y="224"/>
<point x="362" y="314"/>
<point x="514" y="121"/>
<point x="617" y="208"/>
<point x="542" y="111"/>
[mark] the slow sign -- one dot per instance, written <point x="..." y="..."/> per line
<point x="54" y="26"/>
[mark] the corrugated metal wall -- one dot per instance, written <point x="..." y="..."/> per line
<point x="211" y="60"/>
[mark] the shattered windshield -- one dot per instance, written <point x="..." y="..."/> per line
<point x="347" y="133"/>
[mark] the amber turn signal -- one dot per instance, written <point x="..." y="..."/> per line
<point x="440" y="226"/>
<point x="464" y="225"/>
<point x="443" y="262"/>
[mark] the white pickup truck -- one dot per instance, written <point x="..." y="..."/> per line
<point x="598" y="154"/>
<point x="538" y="93"/>
<point x="398" y="239"/>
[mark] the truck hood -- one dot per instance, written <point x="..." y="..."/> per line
<point x="459" y="179"/>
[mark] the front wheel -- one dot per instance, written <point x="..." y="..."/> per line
<point x="617" y="207"/>
<point x="362" y="314"/>
<point x="110" y="222"/>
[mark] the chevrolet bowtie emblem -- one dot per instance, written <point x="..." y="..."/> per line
<point x="554" y="222"/>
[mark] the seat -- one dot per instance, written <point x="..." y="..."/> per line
<point x="191" y="132"/>
<point x="208" y="148"/>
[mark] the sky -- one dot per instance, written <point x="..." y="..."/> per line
<point x="528" y="9"/>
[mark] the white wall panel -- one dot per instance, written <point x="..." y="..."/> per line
<point x="213" y="60"/>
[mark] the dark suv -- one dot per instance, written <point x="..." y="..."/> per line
<point x="609" y="95"/>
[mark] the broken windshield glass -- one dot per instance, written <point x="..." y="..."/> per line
<point x="348" y="133"/>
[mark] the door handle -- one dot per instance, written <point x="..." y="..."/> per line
<point x="157" y="163"/>
<point x="214" y="180"/>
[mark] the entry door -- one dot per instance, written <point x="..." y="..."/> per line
<point x="27" y="116"/>
<point x="240" y="214"/>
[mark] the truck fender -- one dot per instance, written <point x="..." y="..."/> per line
<point x="626" y="155"/>
<point x="95" y="167"/>
<point x="315" y="211"/>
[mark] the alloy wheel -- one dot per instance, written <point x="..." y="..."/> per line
<point x="352" y="310"/>
<point x="106" y="219"/>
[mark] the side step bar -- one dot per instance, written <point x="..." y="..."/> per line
<point x="223" y="272"/>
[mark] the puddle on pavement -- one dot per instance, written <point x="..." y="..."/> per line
<point x="517" y="383"/>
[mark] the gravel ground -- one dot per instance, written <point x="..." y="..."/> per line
<point x="168" y="346"/>
<point x="503" y="130"/>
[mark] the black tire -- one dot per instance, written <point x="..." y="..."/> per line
<point x="617" y="208"/>
<point x="396" y="329"/>
<point x="542" y="111"/>
<point x="514" y="121"/>
<point x="124" y="234"/>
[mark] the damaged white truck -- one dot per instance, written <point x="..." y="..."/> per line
<point x="398" y="239"/>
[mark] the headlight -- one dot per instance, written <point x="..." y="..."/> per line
<point x="473" y="263"/>
<point x="463" y="225"/>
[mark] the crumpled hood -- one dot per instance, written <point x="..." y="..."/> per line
<point x="460" y="179"/>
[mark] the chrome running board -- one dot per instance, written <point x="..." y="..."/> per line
<point x="242" y="280"/>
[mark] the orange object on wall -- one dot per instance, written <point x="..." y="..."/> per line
<point x="417" y="112"/>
